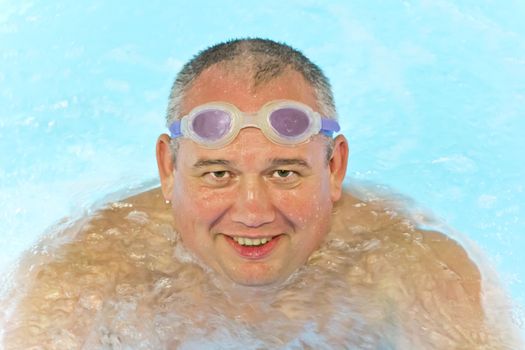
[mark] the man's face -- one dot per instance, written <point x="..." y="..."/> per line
<point x="228" y="202"/>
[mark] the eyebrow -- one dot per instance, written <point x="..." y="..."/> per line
<point x="289" y="161"/>
<point x="201" y="163"/>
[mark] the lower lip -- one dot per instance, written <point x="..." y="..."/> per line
<point x="254" y="252"/>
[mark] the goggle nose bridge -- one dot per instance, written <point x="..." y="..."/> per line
<point x="251" y="120"/>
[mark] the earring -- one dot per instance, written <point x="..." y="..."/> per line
<point x="167" y="201"/>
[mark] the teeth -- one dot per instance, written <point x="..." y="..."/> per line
<point x="251" y="241"/>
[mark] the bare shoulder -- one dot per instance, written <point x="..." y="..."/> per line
<point x="426" y="278"/>
<point x="62" y="283"/>
<point x="422" y="259"/>
<point x="376" y="218"/>
<point x="456" y="259"/>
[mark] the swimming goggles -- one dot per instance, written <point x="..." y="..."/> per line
<point x="216" y="124"/>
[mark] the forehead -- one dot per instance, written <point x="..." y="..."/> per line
<point x="252" y="150"/>
<point x="220" y="84"/>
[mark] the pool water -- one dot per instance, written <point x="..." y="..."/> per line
<point x="375" y="283"/>
<point x="431" y="95"/>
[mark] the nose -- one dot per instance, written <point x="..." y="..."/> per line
<point x="253" y="206"/>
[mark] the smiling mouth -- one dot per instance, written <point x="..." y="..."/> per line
<point x="253" y="248"/>
<point x="245" y="241"/>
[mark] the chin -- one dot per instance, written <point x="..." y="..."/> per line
<point x="257" y="277"/>
<point x="256" y="282"/>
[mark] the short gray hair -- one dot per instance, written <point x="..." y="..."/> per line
<point x="264" y="59"/>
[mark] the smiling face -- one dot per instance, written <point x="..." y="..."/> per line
<point x="253" y="211"/>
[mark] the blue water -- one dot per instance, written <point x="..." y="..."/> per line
<point x="431" y="95"/>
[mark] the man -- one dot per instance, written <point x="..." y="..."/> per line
<point x="251" y="241"/>
<point x="226" y="198"/>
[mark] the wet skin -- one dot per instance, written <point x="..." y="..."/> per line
<point x="67" y="287"/>
<point x="251" y="188"/>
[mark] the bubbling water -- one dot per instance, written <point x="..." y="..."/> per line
<point x="131" y="284"/>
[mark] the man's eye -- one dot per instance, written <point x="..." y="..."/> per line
<point x="219" y="174"/>
<point x="214" y="177"/>
<point x="283" y="174"/>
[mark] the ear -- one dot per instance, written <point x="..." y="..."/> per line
<point x="165" y="165"/>
<point x="337" y="165"/>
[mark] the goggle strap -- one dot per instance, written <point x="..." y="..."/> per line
<point x="329" y="125"/>
<point x="175" y="129"/>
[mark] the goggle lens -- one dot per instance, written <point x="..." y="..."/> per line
<point x="290" y="122"/>
<point x="212" y="124"/>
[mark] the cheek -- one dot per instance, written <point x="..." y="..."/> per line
<point x="306" y="208"/>
<point x="189" y="199"/>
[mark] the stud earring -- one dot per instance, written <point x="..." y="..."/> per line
<point x="167" y="201"/>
